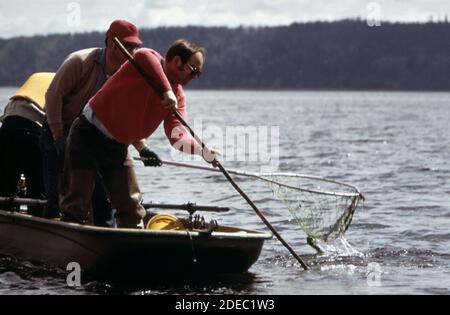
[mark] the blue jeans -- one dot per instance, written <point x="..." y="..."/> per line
<point x="52" y="170"/>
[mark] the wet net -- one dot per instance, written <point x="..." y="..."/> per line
<point x="323" y="208"/>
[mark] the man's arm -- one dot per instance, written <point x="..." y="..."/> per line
<point x="65" y="81"/>
<point x="181" y="139"/>
<point x="178" y="136"/>
<point x="151" y="63"/>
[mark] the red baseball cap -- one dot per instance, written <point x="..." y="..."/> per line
<point x="124" y="31"/>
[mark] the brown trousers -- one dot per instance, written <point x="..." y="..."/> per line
<point x="89" y="152"/>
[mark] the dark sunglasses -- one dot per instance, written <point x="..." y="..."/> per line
<point x="195" y="72"/>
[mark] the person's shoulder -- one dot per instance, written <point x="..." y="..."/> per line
<point x="83" y="54"/>
<point x="78" y="62"/>
<point x="147" y="52"/>
<point x="20" y="101"/>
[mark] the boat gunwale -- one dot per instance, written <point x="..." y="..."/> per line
<point x="241" y="234"/>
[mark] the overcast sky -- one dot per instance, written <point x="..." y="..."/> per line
<point x="25" y="17"/>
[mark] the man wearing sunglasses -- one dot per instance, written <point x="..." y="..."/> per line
<point x="80" y="76"/>
<point x="125" y="110"/>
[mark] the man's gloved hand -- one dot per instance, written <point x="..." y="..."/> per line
<point x="149" y="157"/>
<point x="60" y="146"/>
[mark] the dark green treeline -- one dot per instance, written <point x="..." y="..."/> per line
<point x="338" y="55"/>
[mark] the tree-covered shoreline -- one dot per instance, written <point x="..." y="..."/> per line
<point x="344" y="55"/>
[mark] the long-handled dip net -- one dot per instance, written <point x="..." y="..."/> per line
<point x="322" y="208"/>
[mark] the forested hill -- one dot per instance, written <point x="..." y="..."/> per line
<point x="338" y="55"/>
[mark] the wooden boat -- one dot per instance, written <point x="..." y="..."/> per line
<point x="130" y="255"/>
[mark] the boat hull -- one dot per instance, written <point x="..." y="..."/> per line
<point x="128" y="254"/>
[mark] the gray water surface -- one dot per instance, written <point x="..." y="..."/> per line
<point x="394" y="146"/>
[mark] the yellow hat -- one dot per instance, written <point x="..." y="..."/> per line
<point x="165" y="222"/>
<point x="35" y="87"/>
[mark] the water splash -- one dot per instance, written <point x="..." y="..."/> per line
<point x="338" y="247"/>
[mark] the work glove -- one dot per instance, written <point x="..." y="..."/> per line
<point x="149" y="158"/>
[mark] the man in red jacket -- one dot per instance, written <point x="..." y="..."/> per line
<point x="122" y="112"/>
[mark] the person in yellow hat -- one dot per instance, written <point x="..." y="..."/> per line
<point x="79" y="77"/>
<point x="19" y="139"/>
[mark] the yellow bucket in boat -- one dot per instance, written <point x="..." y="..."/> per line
<point x="165" y="222"/>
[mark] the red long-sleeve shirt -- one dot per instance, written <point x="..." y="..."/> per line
<point x="130" y="110"/>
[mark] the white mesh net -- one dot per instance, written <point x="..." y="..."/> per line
<point x="323" y="208"/>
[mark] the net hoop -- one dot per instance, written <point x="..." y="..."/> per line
<point x="356" y="193"/>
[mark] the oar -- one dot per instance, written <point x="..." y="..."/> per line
<point x="148" y="79"/>
<point x="22" y="201"/>
<point x="190" y="207"/>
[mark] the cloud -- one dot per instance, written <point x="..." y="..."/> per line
<point x="23" y="17"/>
